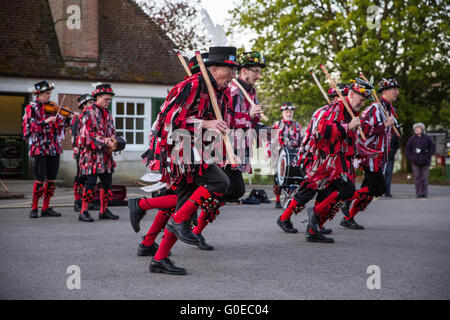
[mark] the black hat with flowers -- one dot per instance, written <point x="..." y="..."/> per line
<point x="387" y="84"/>
<point x="362" y="88"/>
<point x="343" y="89"/>
<point x="102" y="88"/>
<point x="43" y="86"/>
<point x="83" y="99"/>
<point x="251" y="59"/>
<point x="193" y="63"/>
<point x="222" y="56"/>
<point x="287" y="106"/>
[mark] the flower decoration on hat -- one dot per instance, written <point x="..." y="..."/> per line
<point x="362" y="88"/>
<point x="387" y="84"/>
<point x="250" y="59"/>
<point x="287" y="106"/>
<point x="43" y="86"/>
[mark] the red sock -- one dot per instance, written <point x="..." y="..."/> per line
<point x="156" y="227"/>
<point x="48" y="193"/>
<point x="37" y="193"/>
<point x="167" y="243"/>
<point x="164" y="202"/>
<point x="190" y="206"/>
<point x="87" y="197"/>
<point x="202" y="222"/>
<point x="356" y="204"/>
<point x="277" y="197"/>
<point x="323" y="208"/>
<point x="289" y="210"/>
<point x="76" y="191"/>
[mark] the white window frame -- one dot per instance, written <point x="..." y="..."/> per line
<point x="146" y="117"/>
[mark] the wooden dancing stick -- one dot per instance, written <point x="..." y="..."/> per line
<point x="320" y="86"/>
<point x="349" y="110"/>
<point x="381" y="106"/>
<point x="183" y="62"/>
<point x="247" y="97"/>
<point x="213" y="98"/>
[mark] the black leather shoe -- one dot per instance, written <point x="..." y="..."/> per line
<point x="144" y="251"/>
<point x="50" y="213"/>
<point x="326" y="231"/>
<point x="351" y="224"/>
<point x="202" y="244"/>
<point x="165" y="266"/>
<point x="277" y="205"/>
<point x="286" y="225"/>
<point x="107" y="215"/>
<point x="85" y="217"/>
<point x="136" y="214"/>
<point x="182" y="231"/>
<point x="77" y="205"/>
<point x="34" y="213"/>
<point x="318" y="237"/>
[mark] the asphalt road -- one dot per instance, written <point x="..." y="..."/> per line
<point x="405" y="237"/>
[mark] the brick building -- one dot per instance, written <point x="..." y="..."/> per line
<point x="75" y="43"/>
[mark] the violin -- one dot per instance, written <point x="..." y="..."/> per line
<point x="53" y="108"/>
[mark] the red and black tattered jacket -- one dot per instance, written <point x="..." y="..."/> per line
<point x="328" y="148"/>
<point x="378" y="137"/>
<point x="43" y="138"/>
<point x="96" y="124"/>
<point x="74" y="126"/>
<point x="186" y="105"/>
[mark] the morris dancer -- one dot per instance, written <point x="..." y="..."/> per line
<point x="377" y="128"/>
<point x="95" y="141"/>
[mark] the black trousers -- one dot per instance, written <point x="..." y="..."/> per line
<point x="213" y="179"/>
<point x="236" y="189"/>
<point x="46" y="167"/>
<point x="375" y="182"/>
<point x="345" y="189"/>
<point x="105" y="180"/>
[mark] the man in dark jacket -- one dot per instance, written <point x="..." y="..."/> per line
<point x="419" y="149"/>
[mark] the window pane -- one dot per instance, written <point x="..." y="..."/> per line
<point x="139" y="138"/>
<point x="119" y="108"/>
<point x="129" y="138"/>
<point x="119" y="133"/>
<point x="140" y="109"/>
<point x="130" y="108"/>
<point x="119" y="123"/>
<point x="139" y="124"/>
<point x="130" y="123"/>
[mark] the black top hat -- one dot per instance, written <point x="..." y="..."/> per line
<point x="387" y="84"/>
<point x="287" y="106"/>
<point x="103" y="88"/>
<point x="222" y="56"/>
<point x="250" y="59"/>
<point x="193" y="63"/>
<point x="43" y="86"/>
<point x="83" y="99"/>
<point x="362" y="88"/>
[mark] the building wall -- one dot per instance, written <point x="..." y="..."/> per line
<point x="129" y="167"/>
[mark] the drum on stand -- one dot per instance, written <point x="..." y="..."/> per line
<point x="288" y="174"/>
<point x="288" y="177"/>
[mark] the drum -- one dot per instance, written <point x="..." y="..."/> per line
<point x="288" y="174"/>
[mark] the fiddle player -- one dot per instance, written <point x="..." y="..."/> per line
<point x="44" y="132"/>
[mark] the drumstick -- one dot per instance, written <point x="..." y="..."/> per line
<point x="217" y="113"/>
<point x="349" y="110"/>
<point x="381" y="106"/>
<point x="247" y="97"/>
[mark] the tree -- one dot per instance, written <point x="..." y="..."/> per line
<point x="180" y="20"/>
<point x="405" y="39"/>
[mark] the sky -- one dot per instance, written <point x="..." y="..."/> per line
<point x="218" y="11"/>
